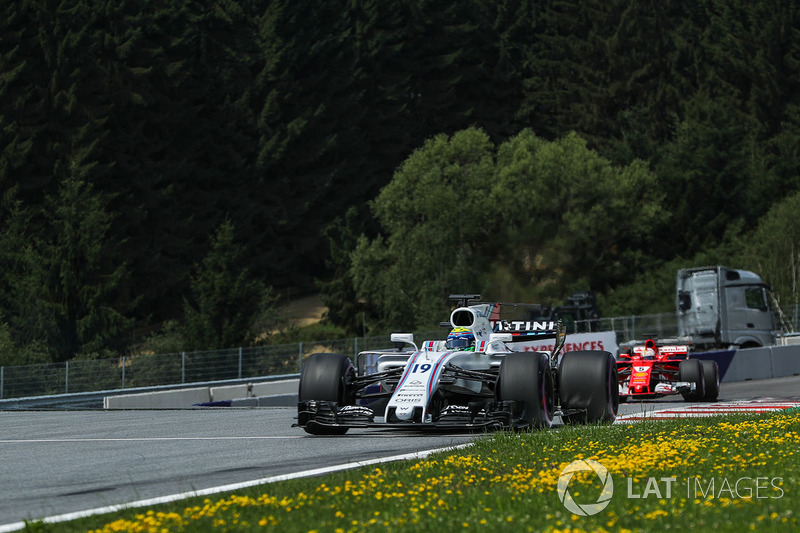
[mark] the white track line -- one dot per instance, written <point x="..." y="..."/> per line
<point x="226" y="488"/>
<point x="762" y="405"/>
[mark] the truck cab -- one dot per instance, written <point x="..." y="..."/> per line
<point x="719" y="307"/>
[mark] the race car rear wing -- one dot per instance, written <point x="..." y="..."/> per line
<point x="667" y="349"/>
<point x="670" y="346"/>
<point x="515" y="321"/>
<point x="522" y="331"/>
<point x="463" y="300"/>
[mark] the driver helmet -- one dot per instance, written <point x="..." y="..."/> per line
<point x="650" y="349"/>
<point x="460" y="339"/>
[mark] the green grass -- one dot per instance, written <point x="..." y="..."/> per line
<point x="508" y="482"/>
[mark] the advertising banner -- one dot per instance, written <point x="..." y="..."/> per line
<point x="602" y="340"/>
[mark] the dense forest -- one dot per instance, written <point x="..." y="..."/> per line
<point x="172" y="169"/>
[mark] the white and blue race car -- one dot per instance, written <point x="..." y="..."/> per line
<point x="474" y="379"/>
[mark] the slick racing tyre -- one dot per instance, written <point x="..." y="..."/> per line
<point x="324" y="378"/>
<point x="691" y="370"/>
<point x="589" y="382"/>
<point x="525" y="379"/>
<point x="711" y="380"/>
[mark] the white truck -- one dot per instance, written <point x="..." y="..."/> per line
<point x="721" y="307"/>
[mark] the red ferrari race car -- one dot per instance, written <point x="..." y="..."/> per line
<point x="653" y="369"/>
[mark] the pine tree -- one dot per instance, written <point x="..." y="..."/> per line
<point x="562" y="69"/>
<point x="61" y="279"/>
<point x="82" y="288"/>
<point x="225" y="298"/>
<point x="338" y="290"/>
<point x="23" y="273"/>
<point x="296" y="126"/>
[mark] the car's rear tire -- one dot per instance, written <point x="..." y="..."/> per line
<point x="324" y="378"/>
<point x="588" y="381"/>
<point x="711" y="380"/>
<point x="524" y="378"/>
<point x="691" y="370"/>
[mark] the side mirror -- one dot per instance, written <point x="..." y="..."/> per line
<point x="403" y="338"/>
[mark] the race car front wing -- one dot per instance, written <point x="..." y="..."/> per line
<point x="674" y="387"/>
<point x="328" y="414"/>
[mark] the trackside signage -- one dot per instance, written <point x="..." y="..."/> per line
<point x="602" y="340"/>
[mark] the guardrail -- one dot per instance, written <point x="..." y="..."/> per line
<point x="95" y="399"/>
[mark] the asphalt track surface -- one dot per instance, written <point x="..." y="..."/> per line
<point x="59" y="462"/>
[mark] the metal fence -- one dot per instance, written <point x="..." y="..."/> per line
<point x="145" y="370"/>
<point x="661" y="325"/>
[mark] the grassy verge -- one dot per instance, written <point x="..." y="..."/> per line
<point x="734" y="473"/>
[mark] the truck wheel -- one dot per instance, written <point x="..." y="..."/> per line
<point x="691" y="370"/>
<point x="524" y="378"/>
<point x="324" y="379"/>
<point x="711" y="380"/>
<point x="588" y="381"/>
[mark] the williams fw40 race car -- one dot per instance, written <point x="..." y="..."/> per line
<point x="478" y="378"/>
<point x="653" y="369"/>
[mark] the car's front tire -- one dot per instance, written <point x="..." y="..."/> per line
<point x="691" y="370"/>
<point x="524" y="378"/>
<point x="324" y="378"/>
<point x="711" y="380"/>
<point x="589" y="382"/>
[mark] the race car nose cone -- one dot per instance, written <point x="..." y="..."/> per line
<point x="404" y="412"/>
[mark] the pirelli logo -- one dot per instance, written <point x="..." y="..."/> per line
<point x="510" y="326"/>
